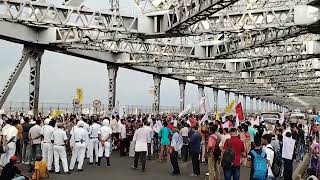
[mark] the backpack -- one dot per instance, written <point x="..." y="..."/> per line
<point x="228" y="156"/>
<point x="216" y="149"/>
<point x="276" y="166"/>
<point x="259" y="166"/>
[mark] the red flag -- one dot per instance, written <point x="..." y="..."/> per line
<point x="239" y="112"/>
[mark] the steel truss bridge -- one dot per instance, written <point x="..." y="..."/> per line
<point x="263" y="50"/>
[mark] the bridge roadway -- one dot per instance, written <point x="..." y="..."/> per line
<point x="120" y="170"/>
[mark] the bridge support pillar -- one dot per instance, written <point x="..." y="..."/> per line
<point x="26" y="53"/>
<point x="35" y="63"/>
<point x="257" y="105"/>
<point x="156" y="97"/>
<point x="251" y="105"/>
<point x="201" y="91"/>
<point x="182" y="89"/>
<point x="215" y="100"/>
<point x="112" y="76"/>
<point x="227" y="97"/>
<point x="245" y="104"/>
<point x="236" y="98"/>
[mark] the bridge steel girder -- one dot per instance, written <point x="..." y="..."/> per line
<point x="231" y="20"/>
<point x="34" y="86"/>
<point x="187" y="13"/>
<point x="249" y="39"/>
<point x="45" y="15"/>
<point x="26" y="54"/>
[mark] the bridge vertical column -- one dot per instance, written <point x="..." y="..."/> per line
<point x="257" y="105"/>
<point x="251" y="105"/>
<point x="112" y="75"/>
<point x="35" y="63"/>
<point x="227" y="97"/>
<point x="26" y="53"/>
<point x="236" y="98"/>
<point x="201" y="91"/>
<point x="182" y="88"/>
<point x="215" y="99"/>
<point x="156" y="98"/>
<point x="244" y="104"/>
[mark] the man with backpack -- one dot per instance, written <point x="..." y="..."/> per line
<point x="257" y="156"/>
<point x="214" y="153"/>
<point x="273" y="157"/>
<point x="233" y="149"/>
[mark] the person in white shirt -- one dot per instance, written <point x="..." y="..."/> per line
<point x="35" y="139"/>
<point x="185" y="136"/>
<point x="266" y="140"/>
<point x="47" y="146"/>
<point x="150" y="137"/>
<point x="10" y="133"/>
<point x="115" y="131"/>
<point x="94" y="141"/>
<point x="78" y="142"/>
<point x="123" y="137"/>
<point x="156" y="128"/>
<point x="141" y="138"/>
<point x="59" y="139"/>
<point x="224" y="136"/>
<point x="105" y="135"/>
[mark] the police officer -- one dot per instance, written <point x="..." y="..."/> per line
<point x="47" y="146"/>
<point x="78" y="142"/>
<point x="105" y="134"/>
<point x="59" y="139"/>
<point x="94" y="141"/>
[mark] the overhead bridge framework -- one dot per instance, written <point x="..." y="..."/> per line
<point x="265" y="51"/>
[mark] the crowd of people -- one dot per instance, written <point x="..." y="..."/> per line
<point x="224" y="144"/>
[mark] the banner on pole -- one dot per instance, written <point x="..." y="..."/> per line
<point x="229" y="107"/>
<point x="239" y="112"/>
<point x="79" y="95"/>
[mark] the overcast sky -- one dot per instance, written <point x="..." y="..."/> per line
<point x="62" y="74"/>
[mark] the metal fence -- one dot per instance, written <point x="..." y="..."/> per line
<point x="45" y="108"/>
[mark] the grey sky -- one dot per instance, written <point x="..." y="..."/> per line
<point x="62" y="74"/>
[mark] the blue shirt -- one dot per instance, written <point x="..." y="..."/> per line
<point x="177" y="141"/>
<point x="195" y="142"/>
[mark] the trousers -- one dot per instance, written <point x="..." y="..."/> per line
<point x="195" y="162"/>
<point x="174" y="162"/>
<point x="60" y="153"/>
<point x="142" y="156"/>
<point x="213" y="167"/>
<point x="47" y="154"/>
<point x="93" y="147"/>
<point x="78" y="154"/>
<point x="105" y="148"/>
<point x="232" y="172"/>
<point x="287" y="169"/>
<point x="10" y="151"/>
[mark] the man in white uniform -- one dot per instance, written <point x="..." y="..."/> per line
<point x="35" y="139"/>
<point x="59" y="138"/>
<point x="10" y="134"/>
<point x="123" y="137"/>
<point x="94" y="141"/>
<point x="47" y="146"/>
<point x="78" y="142"/>
<point x="105" y="134"/>
<point x="141" y="138"/>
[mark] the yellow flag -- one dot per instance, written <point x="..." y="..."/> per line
<point x="230" y="106"/>
<point x="218" y="116"/>
<point x="79" y="95"/>
<point x="56" y="113"/>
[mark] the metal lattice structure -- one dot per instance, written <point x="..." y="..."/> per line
<point x="266" y="50"/>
